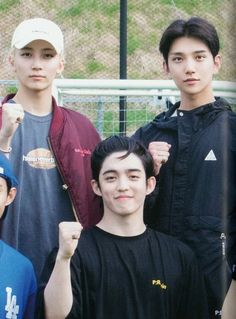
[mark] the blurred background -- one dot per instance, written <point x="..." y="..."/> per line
<point x="92" y="36"/>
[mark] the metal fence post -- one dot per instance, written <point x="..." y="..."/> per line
<point x="123" y="64"/>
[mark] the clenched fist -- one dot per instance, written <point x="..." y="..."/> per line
<point x="12" y="116"/>
<point x="160" y="154"/>
<point x="69" y="234"/>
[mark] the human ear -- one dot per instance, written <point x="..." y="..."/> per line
<point x="165" y="67"/>
<point x="11" y="60"/>
<point x="11" y="196"/>
<point x="151" y="183"/>
<point x="61" y="66"/>
<point x="217" y="63"/>
<point x="95" y="187"/>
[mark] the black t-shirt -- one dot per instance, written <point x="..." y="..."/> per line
<point x="150" y="276"/>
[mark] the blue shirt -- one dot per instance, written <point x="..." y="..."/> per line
<point x="17" y="284"/>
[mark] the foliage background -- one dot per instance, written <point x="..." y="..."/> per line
<point x="91" y="29"/>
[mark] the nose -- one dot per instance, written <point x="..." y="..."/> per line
<point x="190" y="66"/>
<point x="123" y="184"/>
<point x="36" y="63"/>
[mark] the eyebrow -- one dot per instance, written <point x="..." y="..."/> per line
<point x="45" y="49"/>
<point x="127" y="170"/>
<point x="182" y="53"/>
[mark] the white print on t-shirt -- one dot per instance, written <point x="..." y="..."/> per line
<point x="40" y="158"/>
<point x="11" y="307"/>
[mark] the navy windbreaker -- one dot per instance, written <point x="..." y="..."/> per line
<point x="195" y="197"/>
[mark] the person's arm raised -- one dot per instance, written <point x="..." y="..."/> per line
<point x="12" y="116"/>
<point x="58" y="295"/>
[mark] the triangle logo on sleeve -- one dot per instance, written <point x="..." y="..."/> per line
<point x="211" y="156"/>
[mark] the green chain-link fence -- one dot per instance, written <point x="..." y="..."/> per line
<point x="91" y="30"/>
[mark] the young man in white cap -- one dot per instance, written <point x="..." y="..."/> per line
<point x="49" y="146"/>
<point x="17" y="277"/>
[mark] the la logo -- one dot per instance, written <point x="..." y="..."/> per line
<point x="11" y="307"/>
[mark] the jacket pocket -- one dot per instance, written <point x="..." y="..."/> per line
<point x="206" y="235"/>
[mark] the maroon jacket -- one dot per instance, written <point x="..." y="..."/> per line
<point x="72" y="138"/>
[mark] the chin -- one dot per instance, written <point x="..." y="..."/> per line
<point x="38" y="88"/>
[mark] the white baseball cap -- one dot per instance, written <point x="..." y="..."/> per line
<point x="38" y="29"/>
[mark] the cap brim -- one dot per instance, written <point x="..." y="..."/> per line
<point x="10" y="180"/>
<point x="23" y="43"/>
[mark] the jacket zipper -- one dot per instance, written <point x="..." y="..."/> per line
<point x="64" y="186"/>
<point x="223" y="243"/>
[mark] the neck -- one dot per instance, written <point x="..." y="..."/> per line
<point x="35" y="102"/>
<point x="122" y="225"/>
<point x="192" y="102"/>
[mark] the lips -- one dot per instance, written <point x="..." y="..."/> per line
<point x="123" y="197"/>
<point x="191" y="80"/>
<point x="36" y="76"/>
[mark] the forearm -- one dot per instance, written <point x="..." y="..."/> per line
<point x="58" y="292"/>
<point x="12" y="116"/>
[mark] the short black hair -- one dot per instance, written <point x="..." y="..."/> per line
<point x="195" y="27"/>
<point x="115" y="144"/>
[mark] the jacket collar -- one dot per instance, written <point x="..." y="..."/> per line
<point x="219" y="104"/>
<point x="202" y="116"/>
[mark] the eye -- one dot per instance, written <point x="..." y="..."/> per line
<point x="48" y="55"/>
<point x="200" y="57"/>
<point x="110" y="178"/>
<point x="26" y="54"/>
<point x="134" y="177"/>
<point x="177" y="59"/>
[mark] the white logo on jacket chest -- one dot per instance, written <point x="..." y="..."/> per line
<point x="211" y="156"/>
<point x="11" y="307"/>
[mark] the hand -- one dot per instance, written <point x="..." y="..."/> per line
<point x="69" y="234"/>
<point x="12" y="116"/>
<point x="160" y="154"/>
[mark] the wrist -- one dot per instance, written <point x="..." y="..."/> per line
<point x="63" y="257"/>
<point x="6" y="150"/>
<point x="5" y="143"/>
